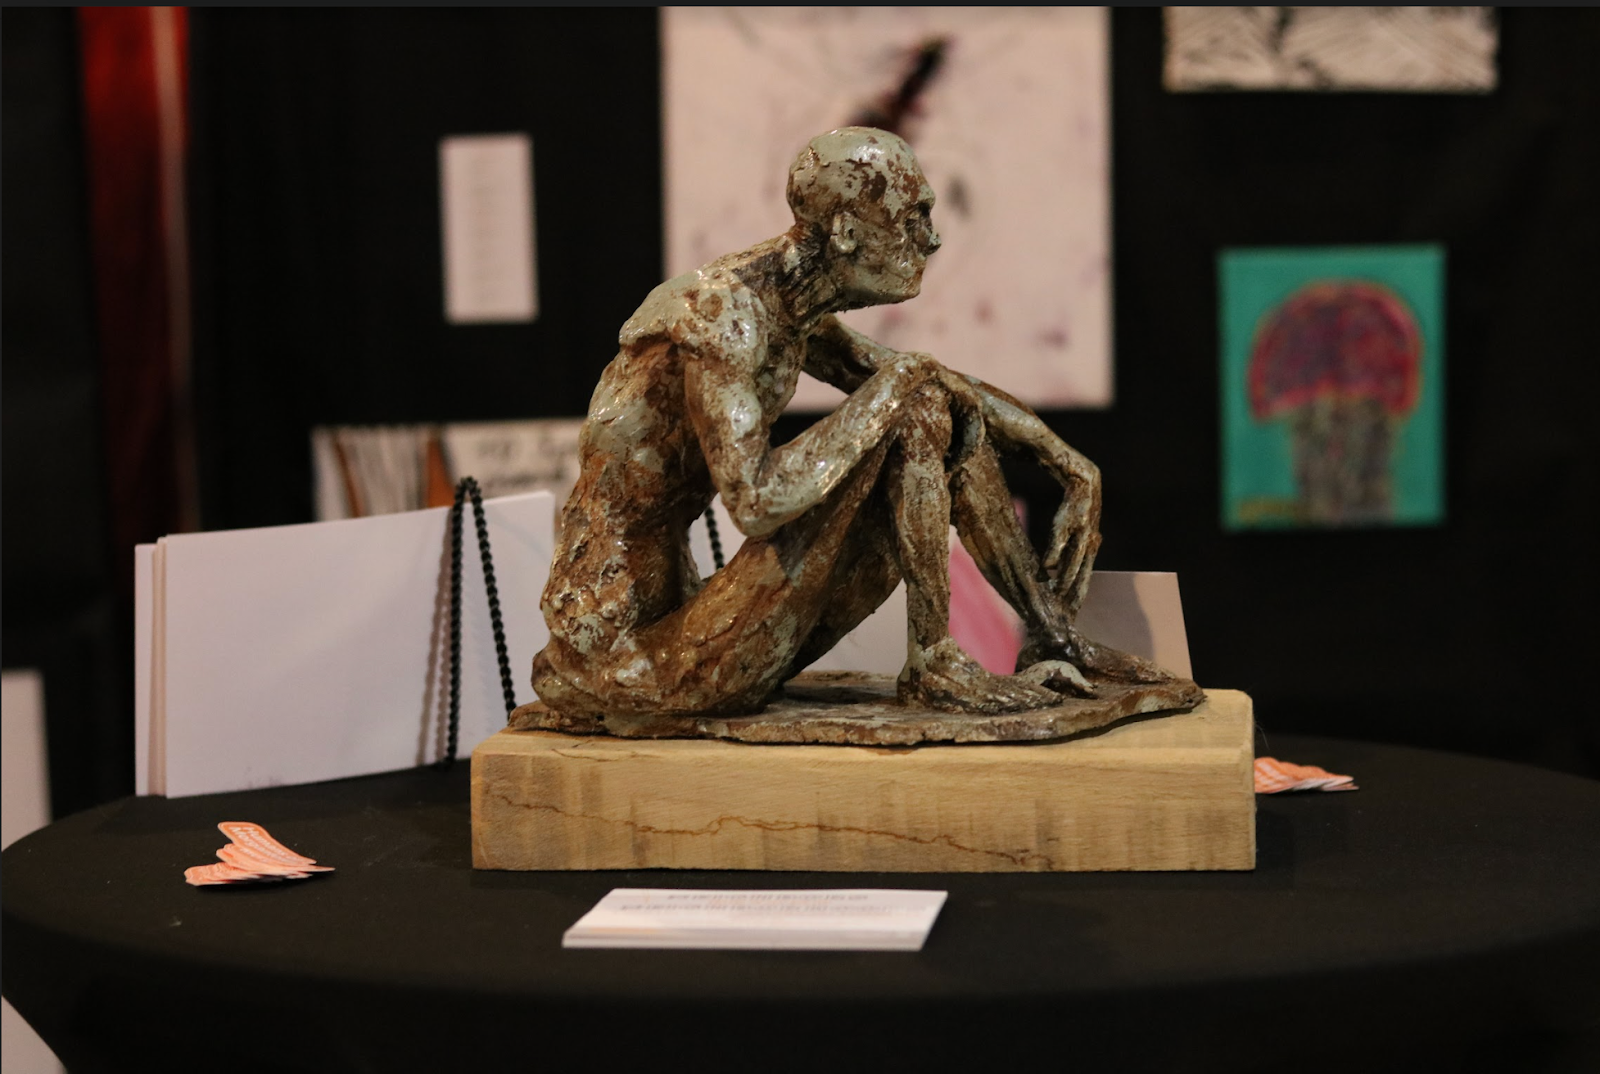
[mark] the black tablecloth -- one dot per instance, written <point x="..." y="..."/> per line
<point x="1446" y="915"/>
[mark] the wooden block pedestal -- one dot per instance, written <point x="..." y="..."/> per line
<point x="1152" y="793"/>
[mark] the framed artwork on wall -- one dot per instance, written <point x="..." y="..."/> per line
<point x="1332" y="386"/>
<point x="1366" y="49"/>
<point x="1008" y="111"/>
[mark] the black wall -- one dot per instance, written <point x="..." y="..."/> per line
<point x="317" y="262"/>
<point x="318" y="248"/>
<point x="59" y="610"/>
<point x="1457" y="635"/>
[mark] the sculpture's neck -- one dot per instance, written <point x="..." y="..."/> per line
<point x="801" y="277"/>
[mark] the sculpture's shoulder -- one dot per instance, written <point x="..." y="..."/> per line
<point x="710" y="311"/>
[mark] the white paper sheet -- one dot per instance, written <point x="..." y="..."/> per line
<point x="143" y="660"/>
<point x="508" y="457"/>
<point x="1139" y="612"/>
<point x="25" y="801"/>
<point x="301" y="653"/>
<point x="852" y="919"/>
<point x="486" y="195"/>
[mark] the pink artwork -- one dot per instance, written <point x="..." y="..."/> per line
<point x="981" y="622"/>
<point x="1008" y="112"/>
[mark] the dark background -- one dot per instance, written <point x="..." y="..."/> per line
<point x="315" y="231"/>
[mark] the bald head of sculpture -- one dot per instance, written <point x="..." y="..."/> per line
<point x="863" y="189"/>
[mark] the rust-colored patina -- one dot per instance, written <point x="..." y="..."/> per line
<point x="835" y="518"/>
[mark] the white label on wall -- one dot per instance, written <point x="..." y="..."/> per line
<point x="486" y="191"/>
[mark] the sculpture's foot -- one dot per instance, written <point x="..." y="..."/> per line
<point x="946" y="679"/>
<point x="1059" y="676"/>
<point x="1101" y="661"/>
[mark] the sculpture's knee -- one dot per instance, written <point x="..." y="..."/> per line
<point x="925" y="424"/>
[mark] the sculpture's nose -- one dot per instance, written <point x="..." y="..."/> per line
<point x="934" y="241"/>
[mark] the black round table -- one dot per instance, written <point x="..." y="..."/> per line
<point x="1444" y="917"/>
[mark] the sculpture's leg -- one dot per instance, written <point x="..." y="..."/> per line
<point x="864" y="578"/>
<point x="937" y="672"/>
<point x="992" y="534"/>
<point x="919" y="503"/>
<point x="730" y="646"/>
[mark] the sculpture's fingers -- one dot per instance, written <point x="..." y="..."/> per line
<point x="1067" y="563"/>
<point x="1061" y="530"/>
<point x="1074" y="531"/>
<point x="1078" y="587"/>
<point x="1068" y="579"/>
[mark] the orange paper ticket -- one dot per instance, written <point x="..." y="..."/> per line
<point x="254" y="838"/>
<point x="241" y="858"/>
<point x="253" y="855"/>
<point x="221" y="873"/>
<point x="1273" y="776"/>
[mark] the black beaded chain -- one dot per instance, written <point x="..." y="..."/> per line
<point x="469" y="487"/>
<point x="716" y="541"/>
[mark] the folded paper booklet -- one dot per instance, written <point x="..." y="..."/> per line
<point x="855" y="919"/>
<point x="291" y="654"/>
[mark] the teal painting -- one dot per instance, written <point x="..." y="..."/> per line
<point x="1332" y="386"/>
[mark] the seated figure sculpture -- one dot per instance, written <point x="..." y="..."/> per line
<point x="835" y="518"/>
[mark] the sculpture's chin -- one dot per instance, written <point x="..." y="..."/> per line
<point x="879" y="296"/>
<point x="900" y="296"/>
<point x="901" y="288"/>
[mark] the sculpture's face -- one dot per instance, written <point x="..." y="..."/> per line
<point x="893" y="239"/>
<point x="866" y="190"/>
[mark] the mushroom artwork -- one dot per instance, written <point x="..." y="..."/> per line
<point x="1340" y="361"/>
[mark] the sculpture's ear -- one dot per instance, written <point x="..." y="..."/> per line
<point x="843" y="236"/>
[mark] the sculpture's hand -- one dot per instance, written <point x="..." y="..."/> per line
<point x="1074" y="540"/>
<point x="1075" y="530"/>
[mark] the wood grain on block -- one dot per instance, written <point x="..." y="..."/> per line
<point x="1154" y="793"/>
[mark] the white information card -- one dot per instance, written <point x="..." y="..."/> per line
<point x="849" y="919"/>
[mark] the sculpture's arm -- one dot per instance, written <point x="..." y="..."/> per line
<point x="1015" y="426"/>
<point x="764" y="487"/>
<point x="845" y="358"/>
<point x="839" y="355"/>
<point x="1075" y="531"/>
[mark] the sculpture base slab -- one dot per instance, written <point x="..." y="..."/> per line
<point x="1167" y="793"/>
<point x="858" y="708"/>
